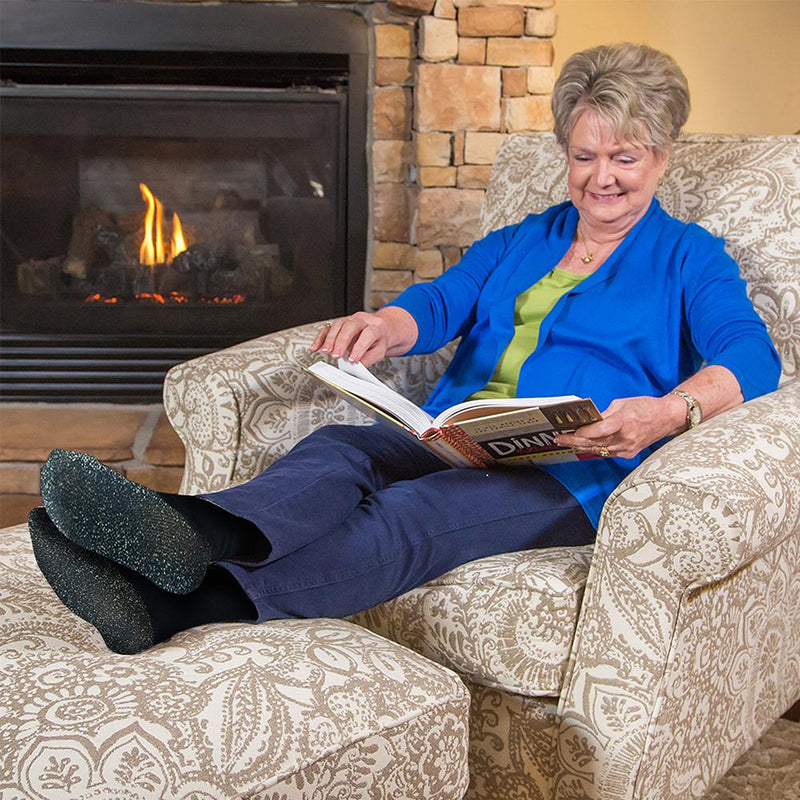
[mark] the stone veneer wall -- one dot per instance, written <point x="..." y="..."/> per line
<point x="451" y="78"/>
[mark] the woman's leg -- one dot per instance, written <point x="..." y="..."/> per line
<point x="219" y="598"/>
<point x="308" y="493"/>
<point x="104" y="513"/>
<point x="171" y="539"/>
<point x="411" y="532"/>
<point x="395" y="537"/>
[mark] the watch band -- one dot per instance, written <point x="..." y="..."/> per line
<point x="694" y="413"/>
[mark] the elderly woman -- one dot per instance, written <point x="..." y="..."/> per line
<point x="604" y="295"/>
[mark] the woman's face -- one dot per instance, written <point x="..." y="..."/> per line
<point x="611" y="183"/>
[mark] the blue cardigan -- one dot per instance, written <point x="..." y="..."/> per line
<point x="668" y="300"/>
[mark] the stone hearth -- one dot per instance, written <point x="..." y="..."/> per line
<point x="136" y="440"/>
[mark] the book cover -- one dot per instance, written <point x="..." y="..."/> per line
<point x="477" y="433"/>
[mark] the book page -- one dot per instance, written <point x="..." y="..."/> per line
<point x="375" y="392"/>
<point x="358" y="370"/>
<point x="472" y="409"/>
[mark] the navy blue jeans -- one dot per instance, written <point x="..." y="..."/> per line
<point x="355" y="515"/>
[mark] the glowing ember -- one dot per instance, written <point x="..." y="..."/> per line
<point x="152" y="250"/>
<point x="228" y="300"/>
<point x="158" y="298"/>
<point x="170" y="299"/>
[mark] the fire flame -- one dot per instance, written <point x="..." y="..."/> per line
<point x="178" y="240"/>
<point x="152" y="250"/>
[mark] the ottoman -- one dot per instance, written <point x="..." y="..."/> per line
<point x="280" y="711"/>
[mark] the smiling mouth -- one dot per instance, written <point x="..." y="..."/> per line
<point x="605" y="197"/>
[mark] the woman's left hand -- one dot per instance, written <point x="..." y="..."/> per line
<point x="628" y="426"/>
<point x="632" y="423"/>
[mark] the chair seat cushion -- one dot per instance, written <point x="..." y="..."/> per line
<point x="291" y="710"/>
<point x="505" y="621"/>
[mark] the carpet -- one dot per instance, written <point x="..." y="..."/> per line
<point x="769" y="770"/>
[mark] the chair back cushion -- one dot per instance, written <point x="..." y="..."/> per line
<point x="744" y="189"/>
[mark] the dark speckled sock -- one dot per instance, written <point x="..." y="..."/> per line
<point x="230" y="536"/>
<point x="92" y="587"/>
<point x="130" y="612"/>
<point x="168" y="539"/>
<point x="219" y="598"/>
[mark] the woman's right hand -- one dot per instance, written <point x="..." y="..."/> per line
<point x="368" y="337"/>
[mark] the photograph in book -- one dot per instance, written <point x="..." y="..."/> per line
<point x="477" y="433"/>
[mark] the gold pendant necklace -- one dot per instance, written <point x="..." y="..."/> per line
<point x="588" y="256"/>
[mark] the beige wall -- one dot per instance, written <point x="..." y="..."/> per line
<point x="742" y="57"/>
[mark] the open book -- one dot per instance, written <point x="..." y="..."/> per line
<point x="477" y="433"/>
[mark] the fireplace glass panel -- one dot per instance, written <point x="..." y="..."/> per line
<point x="133" y="210"/>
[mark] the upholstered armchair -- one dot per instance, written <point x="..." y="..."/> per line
<point x="641" y="666"/>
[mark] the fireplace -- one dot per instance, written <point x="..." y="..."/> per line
<point x="175" y="178"/>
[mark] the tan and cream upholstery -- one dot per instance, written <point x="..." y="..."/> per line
<point x="296" y="710"/>
<point x="641" y="667"/>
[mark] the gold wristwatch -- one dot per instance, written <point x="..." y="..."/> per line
<point x="694" y="414"/>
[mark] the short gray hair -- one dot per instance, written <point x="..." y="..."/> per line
<point x="641" y="92"/>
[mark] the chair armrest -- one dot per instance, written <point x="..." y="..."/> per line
<point x="717" y="496"/>
<point x="683" y="530"/>
<point x="238" y="409"/>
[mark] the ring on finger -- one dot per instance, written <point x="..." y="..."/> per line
<point x="603" y="451"/>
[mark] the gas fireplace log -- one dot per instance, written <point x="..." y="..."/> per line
<point x="83" y="245"/>
<point x="260" y="272"/>
<point x="231" y="199"/>
<point x="176" y="283"/>
<point x="39" y="277"/>
<point x="222" y="229"/>
<point x="198" y="261"/>
<point x="195" y="258"/>
<point x="228" y="257"/>
<point x="130" y="225"/>
<point x="112" y="281"/>
<point x="108" y="240"/>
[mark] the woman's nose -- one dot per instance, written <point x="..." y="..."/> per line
<point x="604" y="173"/>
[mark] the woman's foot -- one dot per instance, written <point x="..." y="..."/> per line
<point x="130" y="612"/>
<point x="97" y="509"/>
<point x="92" y="587"/>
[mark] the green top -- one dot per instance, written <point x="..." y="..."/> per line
<point x="532" y="306"/>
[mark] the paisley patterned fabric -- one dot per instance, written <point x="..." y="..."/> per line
<point x="687" y="645"/>
<point x="512" y="745"/>
<point x="505" y="621"/>
<point x="686" y="641"/>
<point x="512" y="753"/>
<point x="300" y="709"/>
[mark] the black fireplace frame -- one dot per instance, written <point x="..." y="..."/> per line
<point x="74" y="367"/>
